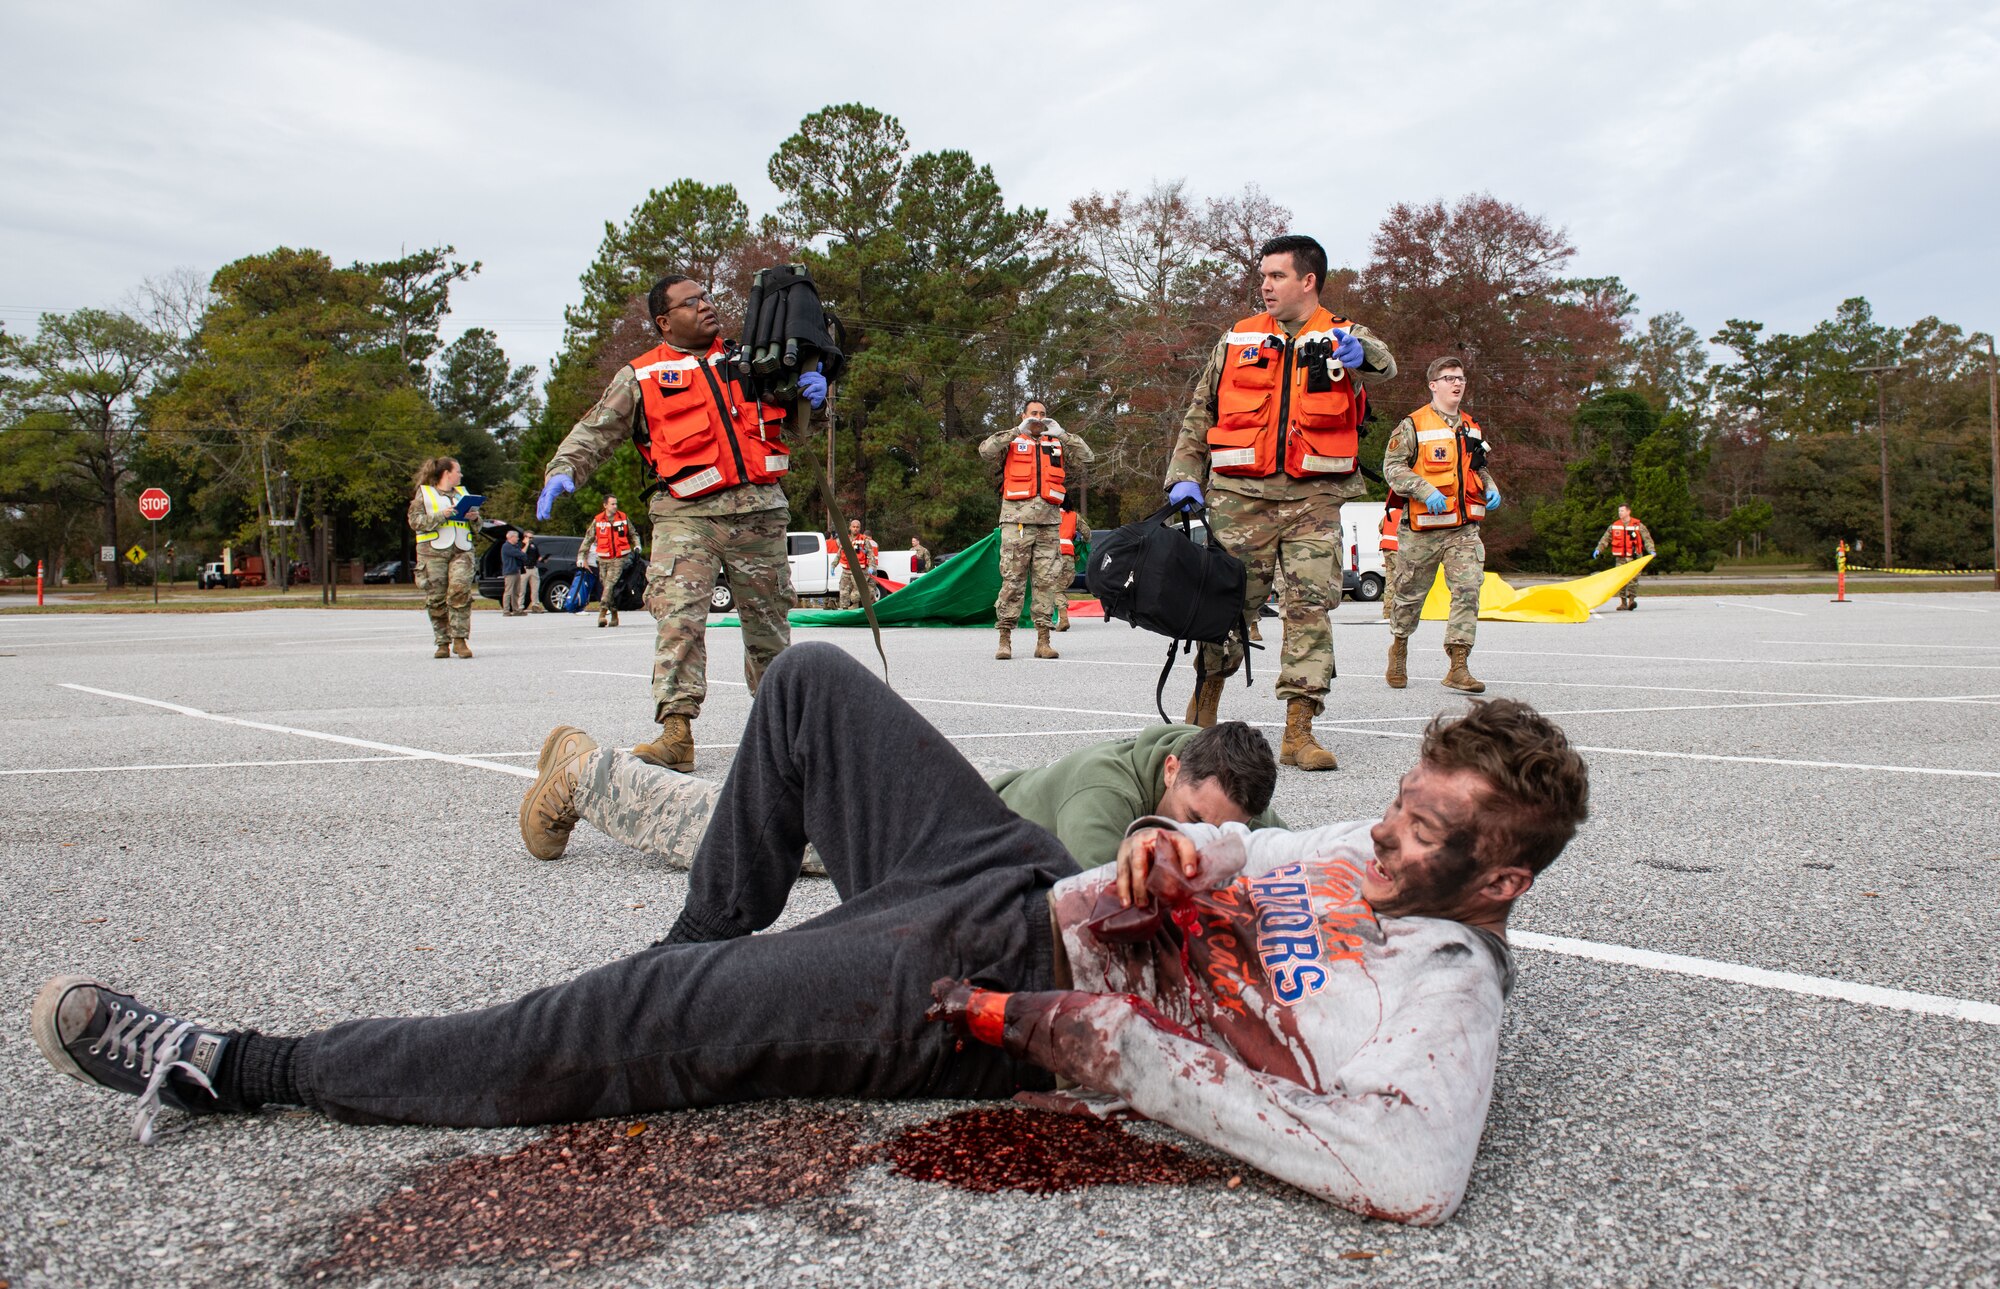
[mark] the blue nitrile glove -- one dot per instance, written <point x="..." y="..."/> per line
<point x="1186" y="495"/>
<point x="555" y="487"/>
<point x="813" y="386"/>
<point x="1349" y="351"/>
<point x="1492" y="496"/>
<point x="1436" y="504"/>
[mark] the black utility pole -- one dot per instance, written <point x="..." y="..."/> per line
<point x="1993" y="426"/>
<point x="1882" y="433"/>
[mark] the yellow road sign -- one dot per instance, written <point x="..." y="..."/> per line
<point x="137" y="554"/>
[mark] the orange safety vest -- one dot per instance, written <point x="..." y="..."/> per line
<point x="1267" y="416"/>
<point x="1627" y="538"/>
<point x="1066" y="534"/>
<point x="865" y="550"/>
<point x="1033" y="468"/>
<point x="1442" y="463"/>
<point x="697" y="429"/>
<point x="1390" y="517"/>
<point x="613" y="533"/>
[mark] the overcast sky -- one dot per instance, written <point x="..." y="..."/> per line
<point x="1727" y="160"/>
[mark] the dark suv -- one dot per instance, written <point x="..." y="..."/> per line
<point x="558" y="567"/>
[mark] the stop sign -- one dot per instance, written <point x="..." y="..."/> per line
<point x="154" y="504"/>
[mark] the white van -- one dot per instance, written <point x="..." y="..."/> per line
<point x="1361" y="530"/>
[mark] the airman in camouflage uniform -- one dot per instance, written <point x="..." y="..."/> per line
<point x="740" y="529"/>
<point x="868" y="551"/>
<point x="444" y="573"/>
<point x="1460" y="551"/>
<point x="1031" y="538"/>
<point x="1278" y="522"/>
<point x="1626" y="537"/>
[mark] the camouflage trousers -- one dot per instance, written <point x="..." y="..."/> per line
<point x="1031" y="555"/>
<point x="1462" y="554"/>
<point x="658" y="811"/>
<point x="1388" y="583"/>
<point x="447" y="581"/>
<point x="688" y="552"/>
<point x="850" y="594"/>
<point x="1628" y="593"/>
<point x="609" y="571"/>
<point x="1301" y="537"/>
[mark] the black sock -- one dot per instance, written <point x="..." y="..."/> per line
<point x="257" y="1071"/>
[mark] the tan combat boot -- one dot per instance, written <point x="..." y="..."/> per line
<point x="1254" y="633"/>
<point x="1458" y="677"/>
<point x="1399" y="662"/>
<point x="614" y="617"/>
<point x="1006" y="649"/>
<point x="444" y="651"/>
<point x="461" y="648"/>
<point x="673" y="749"/>
<point x="1300" y="748"/>
<point x="548" y="812"/>
<point x="1043" y="649"/>
<point x="600" y="616"/>
<point x="1205" y="702"/>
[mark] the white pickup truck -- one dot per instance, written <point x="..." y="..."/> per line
<point x="815" y="567"/>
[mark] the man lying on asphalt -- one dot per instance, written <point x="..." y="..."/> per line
<point x="1324" y="1005"/>
<point x="1088" y="799"/>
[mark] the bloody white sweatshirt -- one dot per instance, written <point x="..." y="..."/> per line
<point x="1278" y="1019"/>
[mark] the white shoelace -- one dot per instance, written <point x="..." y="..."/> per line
<point x="151" y="1043"/>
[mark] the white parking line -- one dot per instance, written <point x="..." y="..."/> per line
<point x="415" y="753"/>
<point x="1761" y="608"/>
<point x="1916" y="604"/>
<point x="1870" y="995"/>
<point x="1711" y="756"/>
<point x="210" y="765"/>
<point x="1740" y="662"/>
<point x="234" y="637"/>
<point x="1352" y="727"/>
<point x="1789" y="982"/>
<point x="1970" y="700"/>
<point x="1926" y="647"/>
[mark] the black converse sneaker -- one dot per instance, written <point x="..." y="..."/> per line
<point x="115" y="1041"/>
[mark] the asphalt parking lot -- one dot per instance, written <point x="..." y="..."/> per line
<point x="1755" y="1040"/>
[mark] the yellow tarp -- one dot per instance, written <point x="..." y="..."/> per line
<point x="1569" y="601"/>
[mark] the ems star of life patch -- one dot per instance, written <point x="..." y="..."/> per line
<point x="1249" y="354"/>
<point x="673" y="377"/>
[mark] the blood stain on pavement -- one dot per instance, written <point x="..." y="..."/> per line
<point x="602" y="1192"/>
<point x="996" y="1149"/>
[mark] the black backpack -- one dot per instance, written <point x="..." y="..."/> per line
<point x="1155" y="576"/>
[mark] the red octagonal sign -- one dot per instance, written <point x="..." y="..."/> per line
<point x="154" y="504"/>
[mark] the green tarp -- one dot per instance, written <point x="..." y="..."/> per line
<point x="958" y="593"/>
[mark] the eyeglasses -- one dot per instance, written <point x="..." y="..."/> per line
<point x="1449" y="380"/>
<point x="700" y="297"/>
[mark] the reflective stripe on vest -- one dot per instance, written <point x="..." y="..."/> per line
<point x="1389" y="521"/>
<point x="1268" y="419"/>
<point x="1066" y="533"/>
<point x="452" y="532"/>
<point x="1441" y="463"/>
<point x="1626" y="538"/>
<point x="697" y="431"/>
<point x="1032" y="469"/>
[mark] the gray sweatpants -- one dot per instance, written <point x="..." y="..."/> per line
<point x="941" y="880"/>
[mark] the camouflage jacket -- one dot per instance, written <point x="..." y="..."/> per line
<point x="1190" y="459"/>
<point x="593" y="439"/>
<point x="1034" y="510"/>
<point x="1399" y="461"/>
